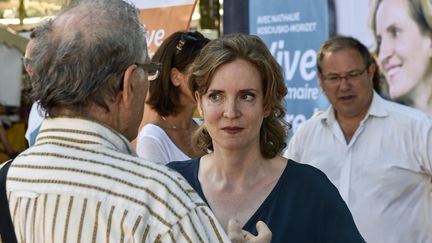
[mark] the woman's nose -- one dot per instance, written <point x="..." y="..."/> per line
<point x="385" y="50"/>
<point x="231" y="109"/>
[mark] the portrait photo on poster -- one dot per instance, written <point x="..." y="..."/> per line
<point x="402" y="33"/>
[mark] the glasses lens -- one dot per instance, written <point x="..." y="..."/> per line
<point x="25" y="61"/>
<point x="153" y="75"/>
<point x="153" y="70"/>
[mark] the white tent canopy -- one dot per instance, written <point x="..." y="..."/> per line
<point x="12" y="47"/>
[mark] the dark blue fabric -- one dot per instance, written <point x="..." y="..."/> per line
<point x="7" y="229"/>
<point x="303" y="207"/>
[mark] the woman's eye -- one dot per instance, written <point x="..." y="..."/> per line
<point x="395" y="32"/>
<point x="247" y="97"/>
<point x="215" y="97"/>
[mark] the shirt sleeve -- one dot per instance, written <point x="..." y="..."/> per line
<point x="424" y="131"/>
<point x="199" y="225"/>
<point x="150" y="148"/>
<point x="292" y="150"/>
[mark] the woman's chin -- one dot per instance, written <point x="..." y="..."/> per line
<point x="394" y="95"/>
<point x="395" y="91"/>
<point x="400" y="97"/>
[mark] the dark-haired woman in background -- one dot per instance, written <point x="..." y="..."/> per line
<point x="166" y="136"/>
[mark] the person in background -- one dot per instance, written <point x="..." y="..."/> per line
<point x="4" y="140"/>
<point x="239" y="88"/>
<point x="82" y="181"/>
<point x="403" y="33"/>
<point x="167" y="135"/>
<point x="376" y="152"/>
<point x="36" y="115"/>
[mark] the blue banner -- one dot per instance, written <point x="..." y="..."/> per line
<point x="293" y="31"/>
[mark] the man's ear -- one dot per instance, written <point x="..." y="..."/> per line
<point x="126" y="92"/>
<point x="198" y="100"/>
<point x="371" y="70"/>
<point x="176" y="77"/>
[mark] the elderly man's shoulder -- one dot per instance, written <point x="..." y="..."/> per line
<point x="158" y="177"/>
<point x="173" y="180"/>
<point x="169" y="176"/>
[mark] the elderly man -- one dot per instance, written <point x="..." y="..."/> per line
<point x="377" y="153"/>
<point x="81" y="181"/>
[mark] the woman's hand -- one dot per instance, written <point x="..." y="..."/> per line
<point x="237" y="235"/>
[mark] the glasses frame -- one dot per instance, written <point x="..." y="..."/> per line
<point x="336" y="78"/>
<point x="152" y="69"/>
<point x="25" y="61"/>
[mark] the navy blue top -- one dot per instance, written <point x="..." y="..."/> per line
<point x="304" y="206"/>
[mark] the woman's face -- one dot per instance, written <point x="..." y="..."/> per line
<point x="232" y="107"/>
<point x="404" y="52"/>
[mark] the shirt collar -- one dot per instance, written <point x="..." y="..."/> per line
<point x="79" y="129"/>
<point x="376" y="109"/>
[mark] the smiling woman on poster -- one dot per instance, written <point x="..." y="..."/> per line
<point x="403" y="32"/>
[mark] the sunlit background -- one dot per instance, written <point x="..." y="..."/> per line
<point x="28" y="11"/>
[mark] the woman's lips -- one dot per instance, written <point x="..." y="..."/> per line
<point x="232" y="130"/>
<point x="392" y="70"/>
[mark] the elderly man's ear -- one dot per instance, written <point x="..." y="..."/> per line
<point x="129" y="79"/>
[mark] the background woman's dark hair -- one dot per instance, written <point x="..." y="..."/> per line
<point x="179" y="50"/>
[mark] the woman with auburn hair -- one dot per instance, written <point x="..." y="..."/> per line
<point x="239" y="88"/>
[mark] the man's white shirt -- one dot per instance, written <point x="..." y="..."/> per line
<point x="384" y="173"/>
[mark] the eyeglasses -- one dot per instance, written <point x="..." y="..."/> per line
<point x="184" y="37"/>
<point x="152" y="69"/>
<point x="26" y="61"/>
<point x="351" y="76"/>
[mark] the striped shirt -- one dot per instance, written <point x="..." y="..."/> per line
<point x="82" y="182"/>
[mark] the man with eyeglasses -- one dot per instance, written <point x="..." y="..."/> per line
<point x="82" y="181"/>
<point x="376" y="152"/>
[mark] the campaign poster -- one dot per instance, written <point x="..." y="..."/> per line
<point x="164" y="17"/>
<point x="293" y="31"/>
<point x="400" y="39"/>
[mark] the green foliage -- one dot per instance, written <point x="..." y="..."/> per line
<point x="32" y="8"/>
